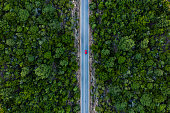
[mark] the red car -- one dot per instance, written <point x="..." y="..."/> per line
<point x="85" y="51"/>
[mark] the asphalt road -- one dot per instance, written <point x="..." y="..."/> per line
<point x="84" y="58"/>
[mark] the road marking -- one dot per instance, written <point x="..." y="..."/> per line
<point x="84" y="57"/>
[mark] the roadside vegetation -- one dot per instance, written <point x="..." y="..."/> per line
<point x="37" y="57"/>
<point x="132" y="57"/>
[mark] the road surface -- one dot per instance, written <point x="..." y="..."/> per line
<point x="84" y="58"/>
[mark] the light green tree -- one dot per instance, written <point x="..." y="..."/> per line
<point x="43" y="71"/>
<point x="7" y="7"/>
<point x="93" y="26"/>
<point x="23" y="14"/>
<point x="19" y="28"/>
<point x="149" y="62"/>
<point x="19" y="51"/>
<point x="144" y="43"/>
<point x="10" y="42"/>
<point x="105" y="52"/>
<point x="126" y="44"/>
<point x="101" y="6"/>
<point x="33" y="29"/>
<point x="59" y="52"/>
<point x="146" y="100"/>
<point x="135" y="85"/>
<point x="63" y="62"/>
<point x="25" y="71"/>
<point x="158" y="72"/>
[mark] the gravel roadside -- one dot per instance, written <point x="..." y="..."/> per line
<point x="76" y="23"/>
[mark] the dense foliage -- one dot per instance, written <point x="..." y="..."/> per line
<point x="131" y="52"/>
<point x="37" y="57"/>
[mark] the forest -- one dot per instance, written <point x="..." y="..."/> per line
<point x="37" y="57"/>
<point x="132" y="56"/>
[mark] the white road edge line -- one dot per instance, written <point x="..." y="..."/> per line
<point x="88" y="55"/>
<point x="84" y="55"/>
<point x="80" y="59"/>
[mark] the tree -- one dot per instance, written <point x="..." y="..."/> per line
<point x="23" y="14"/>
<point x="25" y="71"/>
<point x="28" y="6"/>
<point x="121" y="59"/>
<point x="105" y="52"/>
<point x="150" y="85"/>
<point x="7" y="7"/>
<point x="30" y="58"/>
<point x="34" y="29"/>
<point x="126" y="44"/>
<point x="101" y="6"/>
<point x="54" y="25"/>
<point x="48" y="11"/>
<point x="146" y="100"/>
<point x="115" y="91"/>
<point x="121" y="106"/>
<point x="10" y="16"/>
<point x="92" y="5"/>
<point x="63" y="62"/>
<point x="43" y="71"/>
<point x="110" y="62"/>
<point x="144" y="43"/>
<point x="19" y="28"/>
<point x="47" y="55"/>
<point x="149" y="62"/>
<point x="1" y="46"/>
<point x="10" y="42"/>
<point x="138" y="56"/>
<point x="158" y="72"/>
<point x="139" y="108"/>
<point x="59" y="52"/>
<point x="93" y="26"/>
<point x="161" y="108"/>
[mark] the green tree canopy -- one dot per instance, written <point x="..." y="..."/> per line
<point x="10" y="42"/>
<point x="43" y="71"/>
<point x="23" y="14"/>
<point x="146" y="100"/>
<point x="126" y="44"/>
<point x="144" y="43"/>
<point x="25" y="71"/>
